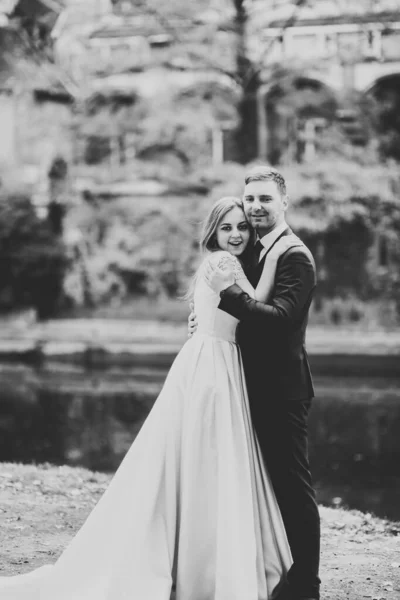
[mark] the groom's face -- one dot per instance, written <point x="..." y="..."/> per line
<point x="264" y="205"/>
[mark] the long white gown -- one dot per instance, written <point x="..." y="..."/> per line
<point x="191" y="503"/>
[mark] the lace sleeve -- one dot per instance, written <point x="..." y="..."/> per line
<point x="227" y="261"/>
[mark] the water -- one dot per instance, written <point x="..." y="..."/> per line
<point x="66" y="415"/>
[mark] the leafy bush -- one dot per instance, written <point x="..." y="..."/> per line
<point x="344" y="212"/>
<point x="134" y="248"/>
<point x="147" y="247"/>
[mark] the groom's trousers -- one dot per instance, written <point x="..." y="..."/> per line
<point x="281" y="428"/>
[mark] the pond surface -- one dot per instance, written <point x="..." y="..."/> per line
<point x="66" y="415"/>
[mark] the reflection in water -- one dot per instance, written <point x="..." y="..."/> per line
<point x="70" y="416"/>
<point x="65" y="415"/>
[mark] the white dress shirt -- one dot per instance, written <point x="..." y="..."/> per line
<point x="270" y="238"/>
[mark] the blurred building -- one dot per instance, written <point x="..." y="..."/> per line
<point x="35" y="105"/>
<point x="312" y="63"/>
<point x="127" y="62"/>
<point x="335" y="50"/>
<point x="130" y="86"/>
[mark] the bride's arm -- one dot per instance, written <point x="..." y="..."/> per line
<point x="263" y="291"/>
<point x="229" y="270"/>
<point x="265" y="286"/>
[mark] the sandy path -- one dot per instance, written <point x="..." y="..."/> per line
<point x="42" y="507"/>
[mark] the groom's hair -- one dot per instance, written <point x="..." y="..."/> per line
<point x="265" y="173"/>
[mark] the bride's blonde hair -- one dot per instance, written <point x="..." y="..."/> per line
<point x="208" y="236"/>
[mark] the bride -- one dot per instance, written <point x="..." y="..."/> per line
<point x="191" y="507"/>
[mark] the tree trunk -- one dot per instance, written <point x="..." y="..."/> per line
<point x="246" y="134"/>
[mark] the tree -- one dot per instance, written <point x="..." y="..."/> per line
<point x="202" y="29"/>
<point x="382" y="105"/>
<point x="209" y="35"/>
<point x="33" y="259"/>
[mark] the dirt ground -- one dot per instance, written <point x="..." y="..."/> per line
<point x="41" y="507"/>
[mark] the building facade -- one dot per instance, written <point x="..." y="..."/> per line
<point x="340" y="48"/>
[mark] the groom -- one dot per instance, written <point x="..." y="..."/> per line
<point x="271" y="338"/>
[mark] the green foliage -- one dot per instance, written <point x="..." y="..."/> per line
<point x="147" y="247"/>
<point x="350" y="312"/>
<point x="382" y="107"/>
<point x="133" y="248"/>
<point x="349" y="216"/>
<point x="142" y="247"/>
<point x="33" y="260"/>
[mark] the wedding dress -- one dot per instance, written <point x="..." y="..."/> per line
<point x="191" y="505"/>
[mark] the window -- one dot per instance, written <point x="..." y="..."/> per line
<point x="391" y="45"/>
<point x="350" y="44"/>
<point x="305" y="46"/>
<point x="97" y="149"/>
<point x="112" y="150"/>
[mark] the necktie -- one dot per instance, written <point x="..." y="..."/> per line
<point x="258" y="248"/>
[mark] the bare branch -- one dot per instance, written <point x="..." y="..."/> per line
<point x="176" y="35"/>
<point x="249" y="71"/>
<point x="288" y="23"/>
<point x="40" y="57"/>
<point x="242" y="79"/>
<point x="53" y="5"/>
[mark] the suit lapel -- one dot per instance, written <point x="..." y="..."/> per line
<point x="287" y="231"/>
<point x="259" y="267"/>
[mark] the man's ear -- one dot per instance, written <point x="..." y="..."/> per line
<point x="285" y="202"/>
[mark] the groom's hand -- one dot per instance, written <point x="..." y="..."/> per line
<point x="218" y="279"/>
<point x="192" y="321"/>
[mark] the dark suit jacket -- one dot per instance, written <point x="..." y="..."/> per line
<point x="271" y="336"/>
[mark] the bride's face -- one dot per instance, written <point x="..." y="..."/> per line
<point x="233" y="232"/>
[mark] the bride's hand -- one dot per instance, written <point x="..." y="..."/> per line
<point x="219" y="278"/>
<point x="192" y="321"/>
<point x="283" y="245"/>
